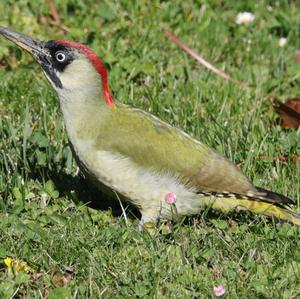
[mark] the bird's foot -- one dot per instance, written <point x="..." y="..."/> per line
<point x="147" y="223"/>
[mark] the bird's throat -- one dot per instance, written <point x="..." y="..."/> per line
<point x="83" y="112"/>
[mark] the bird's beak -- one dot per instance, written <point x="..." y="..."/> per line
<point x="34" y="47"/>
<point x="37" y="49"/>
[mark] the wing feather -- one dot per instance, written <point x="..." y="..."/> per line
<point x="156" y="145"/>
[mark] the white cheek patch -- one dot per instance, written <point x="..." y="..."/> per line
<point x="80" y="74"/>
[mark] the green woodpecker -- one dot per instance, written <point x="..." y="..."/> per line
<point x="134" y="153"/>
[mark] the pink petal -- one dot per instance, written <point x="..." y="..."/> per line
<point x="219" y="290"/>
<point x="170" y="198"/>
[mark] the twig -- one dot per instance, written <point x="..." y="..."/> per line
<point x="55" y="19"/>
<point x="54" y="13"/>
<point x="202" y="61"/>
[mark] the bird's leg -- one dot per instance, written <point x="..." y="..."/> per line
<point x="148" y="221"/>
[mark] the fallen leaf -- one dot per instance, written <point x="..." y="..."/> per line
<point x="289" y="112"/>
<point x="62" y="279"/>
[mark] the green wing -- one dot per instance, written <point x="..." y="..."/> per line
<point x="157" y="146"/>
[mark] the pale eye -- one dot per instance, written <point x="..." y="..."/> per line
<point x="60" y="56"/>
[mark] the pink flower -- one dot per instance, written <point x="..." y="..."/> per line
<point x="219" y="290"/>
<point x="170" y="198"/>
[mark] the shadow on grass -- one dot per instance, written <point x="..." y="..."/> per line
<point x="85" y="192"/>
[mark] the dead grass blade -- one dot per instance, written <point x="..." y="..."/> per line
<point x="201" y="60"/>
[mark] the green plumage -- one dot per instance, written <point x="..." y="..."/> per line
<point x="150" y="142"/>
<point x="155" y="145"/>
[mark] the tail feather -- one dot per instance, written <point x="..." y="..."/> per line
<point x="259" y="207"/>
<point x="261" y="195"/>
<point x="278" y="198"/>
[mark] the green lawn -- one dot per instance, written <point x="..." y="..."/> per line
<point x="66" y="231"/>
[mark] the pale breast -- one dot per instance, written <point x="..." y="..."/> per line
<point x="142" y="187"/>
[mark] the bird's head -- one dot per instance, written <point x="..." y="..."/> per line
<point x="70" y="67"/>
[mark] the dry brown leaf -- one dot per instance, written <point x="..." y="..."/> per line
<point x="62" y="279"/>
<point x="289" y="112"/>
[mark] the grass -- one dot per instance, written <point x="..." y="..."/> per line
<point x="57" y="222"/>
